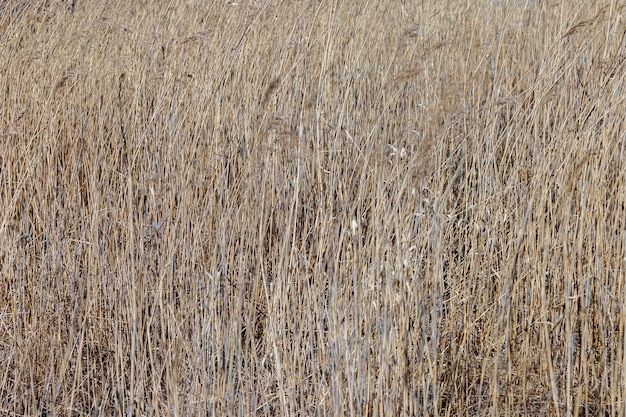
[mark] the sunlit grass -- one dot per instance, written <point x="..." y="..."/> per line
<point x="312" y="208"/>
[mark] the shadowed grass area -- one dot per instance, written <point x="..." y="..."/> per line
<point x="309" y="207"/>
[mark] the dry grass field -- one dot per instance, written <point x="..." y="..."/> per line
<point x="312" y="208"/>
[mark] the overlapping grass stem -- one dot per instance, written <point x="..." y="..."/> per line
<point x="312" y="208"/>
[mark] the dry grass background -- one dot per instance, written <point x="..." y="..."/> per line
<point x="312" y="208"/>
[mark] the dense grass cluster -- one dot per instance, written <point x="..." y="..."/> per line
<point x="325" y="208"/>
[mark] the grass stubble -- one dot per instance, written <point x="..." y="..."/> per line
<point x="312" y="208"/>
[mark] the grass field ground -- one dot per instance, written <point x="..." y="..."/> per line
<point x="326" y="208"/>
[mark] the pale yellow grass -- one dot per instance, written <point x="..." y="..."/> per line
<point x="318" y="208"/>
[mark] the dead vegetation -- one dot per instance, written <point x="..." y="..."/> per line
<point x="312" y="208"/>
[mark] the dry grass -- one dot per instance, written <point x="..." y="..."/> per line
<point x="312" y="208"/>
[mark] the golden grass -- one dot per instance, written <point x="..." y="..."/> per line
<point x="312" y="208"/>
